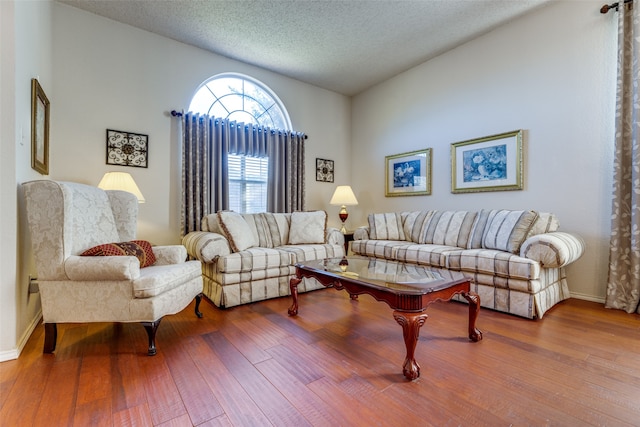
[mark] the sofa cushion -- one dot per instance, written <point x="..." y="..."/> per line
<point x="494" y="262"/>
<point x="308" y="227"/>
<point x="378" y="248"/>
<point x="506" y="230"/>
<point x="424" y="254"/>
<point x="302" y="253"/>
<point x="140" y="249"/>
<point x="236" y="230"/>
<point x="415" y="225"/>
<point x="386" y="226"/>
<point x="253" y="259"/>
<point x="450" y="228"/>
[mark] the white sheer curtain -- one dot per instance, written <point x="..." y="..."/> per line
<point x="623" y="287"/>
<point x="206" y="144"/>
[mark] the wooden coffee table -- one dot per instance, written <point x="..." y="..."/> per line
<point x="407" y="288"/>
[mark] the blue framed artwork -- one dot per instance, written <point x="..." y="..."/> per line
<point x="408" y="174"/>
<point x="492" y="163"/>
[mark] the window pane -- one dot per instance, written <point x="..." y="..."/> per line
<point x="248" y="183"/>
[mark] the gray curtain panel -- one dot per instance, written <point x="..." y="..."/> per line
<point x="206" y="144"/>
<point x="623" y="287"/>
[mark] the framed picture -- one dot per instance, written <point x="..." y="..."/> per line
<point x="127" y="148"/>
<point x="492" y="163"/>
<point x="324" y="170"/>
<point x="39" y="128"/>
<point x="408" y="174"/>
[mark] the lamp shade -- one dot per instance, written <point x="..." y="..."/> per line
<point x="120" y="181"/>
<point x="343" y="196"/>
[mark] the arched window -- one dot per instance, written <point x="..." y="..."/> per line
<point x="242" y="99"/>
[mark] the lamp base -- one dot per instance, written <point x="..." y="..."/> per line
<point x="343" y="214"/>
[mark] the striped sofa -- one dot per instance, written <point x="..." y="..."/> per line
<point x="250" y="257"/>
<point x="515" y="259"/>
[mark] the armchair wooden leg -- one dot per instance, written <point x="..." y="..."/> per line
<point x="198" y="300"/>
<point x="50" y="337"/>
<point x="151" y="328"/>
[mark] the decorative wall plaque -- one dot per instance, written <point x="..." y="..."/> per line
<point x="127" y="148"/>
<point x="324" y="170"/>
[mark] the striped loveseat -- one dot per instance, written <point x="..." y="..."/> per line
<point x="250" y="257"/>
<point x="515" y="259"/>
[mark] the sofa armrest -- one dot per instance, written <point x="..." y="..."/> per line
<point x="171" y="254"/>
<point x="335" y="236"/>
<point x="361" y="233"/>
<point x="206" y="246"/>
<point x="555" y="249"/>
<point x="102" y="268"/>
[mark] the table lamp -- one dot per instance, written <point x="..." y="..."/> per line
<point x="343" y="196"/>
<point x="121" y="181"/>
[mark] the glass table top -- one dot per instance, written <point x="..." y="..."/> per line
<point x="390" y="275"/>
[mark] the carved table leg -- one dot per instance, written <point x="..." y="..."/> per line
<point x="411" y="323"/>
<point x="474" y="308"/>
<point x="293" y="285"/>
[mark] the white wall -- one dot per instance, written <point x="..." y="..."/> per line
<point x="550" y="73"/>
<point x="26" y="53"/>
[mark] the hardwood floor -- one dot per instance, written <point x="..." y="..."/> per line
<point x="337" y="363"/>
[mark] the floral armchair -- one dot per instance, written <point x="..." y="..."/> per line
<point x="67" y="220"/>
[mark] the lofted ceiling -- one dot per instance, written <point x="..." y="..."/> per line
<point x="345" y="46"/>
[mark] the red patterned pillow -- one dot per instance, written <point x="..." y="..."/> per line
<point x="137" y="248"/>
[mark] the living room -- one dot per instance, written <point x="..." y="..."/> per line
<point x="550" y="73"/>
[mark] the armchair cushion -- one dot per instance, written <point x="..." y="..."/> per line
<point x="170" y="254"/>
<point x="104" y="268"/>
<point x="140" y="249"/>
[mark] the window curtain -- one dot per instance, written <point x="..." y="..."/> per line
<point x="207" y="142"/>
<point x="205" y="183"/>
<point x="623" y="286"/>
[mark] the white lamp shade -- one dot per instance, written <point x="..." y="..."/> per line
<point x="120" y="181"/>
<point x="343" y="196"/>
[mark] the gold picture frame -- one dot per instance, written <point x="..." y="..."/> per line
<point x="408" y="174"/>
<point x="491" y="163"/>
<point x="39" y="128"/>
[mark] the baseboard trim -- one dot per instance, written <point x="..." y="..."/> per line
<point x="586" y="297"/>
<point x="15" y="353"/>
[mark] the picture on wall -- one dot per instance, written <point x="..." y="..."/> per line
<point x="39" y="128"/>
<point x="491" y="163"/>
<point x="127" y="148"/>
<point x="324" y="170"/>
<point x="408" y="174"/>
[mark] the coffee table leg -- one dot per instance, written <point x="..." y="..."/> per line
<point x="293" y="285"/>
<point x="474" y="308"/>
<point x="411" y="323"/>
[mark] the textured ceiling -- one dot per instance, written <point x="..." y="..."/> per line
<point x="346" y="46"/>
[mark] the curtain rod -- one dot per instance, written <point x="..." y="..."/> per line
<point x="175" y="113"/>
<point x="607" y="7"/>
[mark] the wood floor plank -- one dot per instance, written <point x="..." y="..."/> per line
<point x="59" y="394"/>
<point x="274" y="405"/>
<point x="237" y="404"/>
<point x="135" y="416"/>
<point x="199" y="401"/>
<point x="163" y="397"/>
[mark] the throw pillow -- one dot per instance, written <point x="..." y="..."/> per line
<point x="236" y="230"/>
<point x="415" y="225"/>
<point x="507" y="230"/>
<point x="386" y="226"/>
<point x="450" y="228"/>
<point x="308" y="227"/>
<point x="140" y="249"/>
